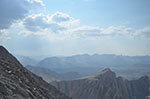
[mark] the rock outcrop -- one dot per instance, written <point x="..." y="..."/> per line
<point x="104" y="85"/>
<point x="16" y="82"/>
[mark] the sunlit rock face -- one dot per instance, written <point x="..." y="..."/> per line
<point x="104" y="85"/>
<point x="18" y="83"/>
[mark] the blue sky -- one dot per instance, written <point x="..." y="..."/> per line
<point x="104" y="12"/>
<point x="69" y="27"/>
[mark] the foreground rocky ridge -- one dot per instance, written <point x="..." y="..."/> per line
<point x="105" y="85"/>
<point x="18" y="83"/>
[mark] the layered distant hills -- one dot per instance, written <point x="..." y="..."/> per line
<point x="130" y="67"/>
<point x="25" y="60"/>
<point x="95" y="60"/>
<point x="72" y="67"/>
<point x="49" y="75"/>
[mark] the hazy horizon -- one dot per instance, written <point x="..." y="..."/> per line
<point x="67" y="27"/>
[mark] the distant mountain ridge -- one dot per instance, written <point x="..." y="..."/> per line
<point x="16" y="82"/>
<point x="105" y="85"/>
<point x="49" y="75"/>
<point x="86" y="60"/>
<point x="130" y="67"/>
<point x="25" y="60"/>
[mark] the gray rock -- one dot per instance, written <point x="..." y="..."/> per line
<point x="104" y="85"/>
<point x="16" y="82"/>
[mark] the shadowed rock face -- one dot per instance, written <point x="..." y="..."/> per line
<point x="140" y="87"/>
<point x="148" y="97"/>
<point x="104" y="85"/>
<point x="18" y="83"/>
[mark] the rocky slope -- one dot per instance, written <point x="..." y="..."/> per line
<point x="105" y="85"/>
<point x="18" y="83"/>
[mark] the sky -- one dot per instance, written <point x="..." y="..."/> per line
<point x="69" y="27"/>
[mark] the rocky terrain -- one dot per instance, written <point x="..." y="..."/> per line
<point x="16" y="82"/>
<point x="105" y="85"/>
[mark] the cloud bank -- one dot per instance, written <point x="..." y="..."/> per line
<point x="63" y="25"/>
<point x="13" y="10"/>
<point x="39" y="24"/>
<point x="56" y="25"/>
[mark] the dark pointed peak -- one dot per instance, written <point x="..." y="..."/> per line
<point x="106" y="73"/>
<point x="3" y="52"/>
<point x="3" y="49"/>
<point x="6" y="55"/>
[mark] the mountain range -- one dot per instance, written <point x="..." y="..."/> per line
<point x="96" y="60"/>
<point x="129" y="67"/>
<point x="25" y="60"/>
<point x="17" y="82"/>
<point x="105" y="85"/>
<point x="49" y="75"/>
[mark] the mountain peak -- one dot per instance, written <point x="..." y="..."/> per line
<point x="106" y="73"/>
<point x="2" y="48"/>
<point x="3" y="52"/>
<point x="106" y="70"/>
<point x="104" y="85"/>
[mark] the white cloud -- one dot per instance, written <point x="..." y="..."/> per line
<point x="53" y="24"/>
<point x="61" y="25"/>
<point x="86" y="31"/>
<point x="40" y="22"/>
<point x="145" y="32"/>
<point x="13" y="10"/>
<point x="117" y="30"/>
<point x="60" y="17"/>
<point x="38" y="2"/>
<point x="3" y="34"/>
<point x="91" y="31"/>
